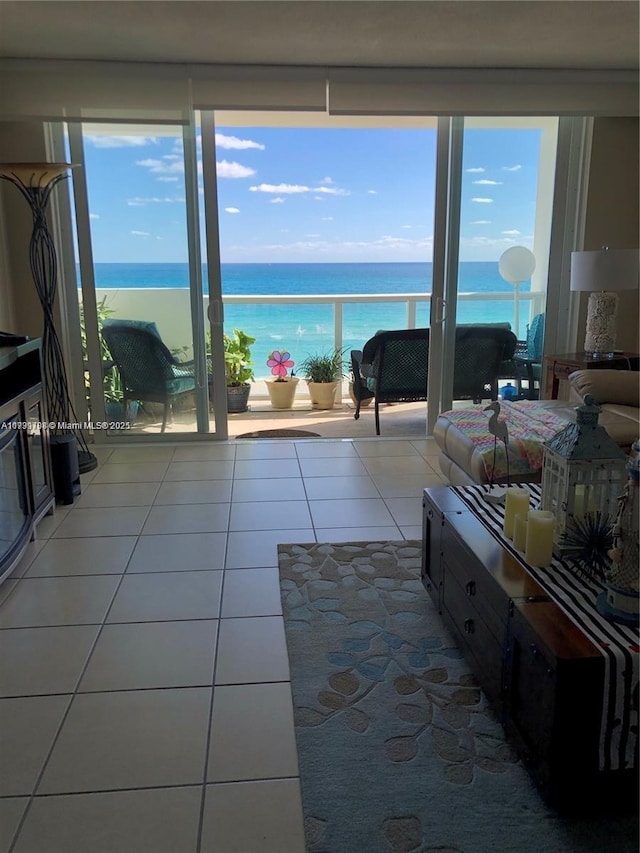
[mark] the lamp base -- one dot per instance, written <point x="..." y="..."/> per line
<point x="599" y="355"/>
<point x="600" y="337"/>
<point x="86" y="461"/>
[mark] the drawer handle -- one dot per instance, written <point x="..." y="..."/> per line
<point x="468" y="626"/>
<point x="471" y="588"/>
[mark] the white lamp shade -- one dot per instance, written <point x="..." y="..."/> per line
<point x="517" y="264"/>
<point x="605" y="269"/>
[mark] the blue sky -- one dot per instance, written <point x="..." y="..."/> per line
<point x="310" y="194"/>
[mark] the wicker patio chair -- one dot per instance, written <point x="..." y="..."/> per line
<point x="149" y="372"/>
<point x="392" y="366"/>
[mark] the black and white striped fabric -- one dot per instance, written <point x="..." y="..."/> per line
<point x="619" y="644"/>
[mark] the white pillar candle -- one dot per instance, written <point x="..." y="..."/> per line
<point x="579" y="503"/>
<point x="520" y="531"/>
<point x="517" y="501"/>
<point x="539" y="546"/>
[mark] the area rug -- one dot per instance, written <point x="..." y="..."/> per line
<point x="398" y="750"/>
<point x="280" y="433"/>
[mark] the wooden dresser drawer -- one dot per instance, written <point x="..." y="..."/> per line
<point x="484" y="595"/>
<point x="483" y="650"/>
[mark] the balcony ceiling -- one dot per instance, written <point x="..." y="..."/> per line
<point x="422" y="33"/>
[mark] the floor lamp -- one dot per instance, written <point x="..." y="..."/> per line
<point x="516" y="266"/>
<point x="36" y="181"/>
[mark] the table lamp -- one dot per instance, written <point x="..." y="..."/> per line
<point x="603" y="272"/>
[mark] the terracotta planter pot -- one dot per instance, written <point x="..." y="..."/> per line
<point x="282" y="393"/>
<point x="323" y="394"/>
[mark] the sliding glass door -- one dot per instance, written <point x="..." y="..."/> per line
<point x="142" y="312"/>
<point x="496" y="194"/>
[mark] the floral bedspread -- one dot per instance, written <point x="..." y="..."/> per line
<point x="528" y="426"/>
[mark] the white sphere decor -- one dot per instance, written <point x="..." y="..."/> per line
<point x="517" y="264"/>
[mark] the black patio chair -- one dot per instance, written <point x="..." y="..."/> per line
<point x="392" y="367"/>
<point x="149" y="371"/>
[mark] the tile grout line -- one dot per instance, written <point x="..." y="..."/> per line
<point x="207" y="747"/>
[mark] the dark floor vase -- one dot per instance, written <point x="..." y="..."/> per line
<point x="238" y="398"/>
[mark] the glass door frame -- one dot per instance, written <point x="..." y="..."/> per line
<point x="85" y="259"/>
<point x="566" y="213"/>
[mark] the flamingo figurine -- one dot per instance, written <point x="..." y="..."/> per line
<point x="498" y="430"/>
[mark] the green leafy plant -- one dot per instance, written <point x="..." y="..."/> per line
<point x="237" y="357"/>
<point x="112" y="383"/>
<point x="323" y="367"/>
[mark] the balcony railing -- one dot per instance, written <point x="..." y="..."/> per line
<point x="169" y="308"/>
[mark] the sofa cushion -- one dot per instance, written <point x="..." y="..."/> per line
<point x="608" y="386"/>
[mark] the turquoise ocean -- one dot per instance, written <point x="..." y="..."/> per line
<point x="305" y="329"/>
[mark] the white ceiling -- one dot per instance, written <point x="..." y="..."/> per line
<point x="387" y="33"/>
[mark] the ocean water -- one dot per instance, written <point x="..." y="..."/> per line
<point x="305" y="329"/>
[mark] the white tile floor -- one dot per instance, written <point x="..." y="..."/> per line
<point x="145" y="704"/>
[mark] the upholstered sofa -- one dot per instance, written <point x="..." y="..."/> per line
<point x="465" y="446"/>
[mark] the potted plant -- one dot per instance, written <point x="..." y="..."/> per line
<point x="238" y="369"/>
<point x="282" y="388"/>
<point x="323" y="373"/>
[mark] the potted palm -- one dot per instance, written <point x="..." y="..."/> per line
<point x="282" y="388"/>
<point x="238" y="369"/>
<point x="323" y="373"/>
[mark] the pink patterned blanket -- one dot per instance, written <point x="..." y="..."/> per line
<point x="529" y="426"/>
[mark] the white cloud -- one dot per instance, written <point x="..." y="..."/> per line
<point x="332" y="191"/>
<point x="327" y="218"/>
<point x="372" y="192"/>
<point x="511" y="168"/>
<point x="288" y="189"/>
<point x="482" y="200"/>
<point x="407" y="226"/>
<point x="161" y="167"/>
<point x="232" y="142"/>
<point x="94" y="216"/>
<point x="225" y="169"/>
<point x="277" y="200"/>
<point x="121" y="141"/>
<point x="481" y="222"/>
<point x="475" y="169"/>
<point x="141" y="234"/>
<point x="486" y="182"/>
<point x="318" y="198"/>
<point x="512" y="233"/>
<point x="172" y="164"/>
<point x="141" y="202"/>
<point x="327" y="180"/>
<point x="167" y="179"/>
<point x="231" y="210"/>
<point x="311" y="235"/>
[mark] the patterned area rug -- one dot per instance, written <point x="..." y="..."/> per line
<point x="398" y="749"/>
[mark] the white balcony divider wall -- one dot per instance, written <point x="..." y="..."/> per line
<point x="145" y="93"/>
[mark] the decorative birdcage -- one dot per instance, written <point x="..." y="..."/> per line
<point x="583" y="473"/>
